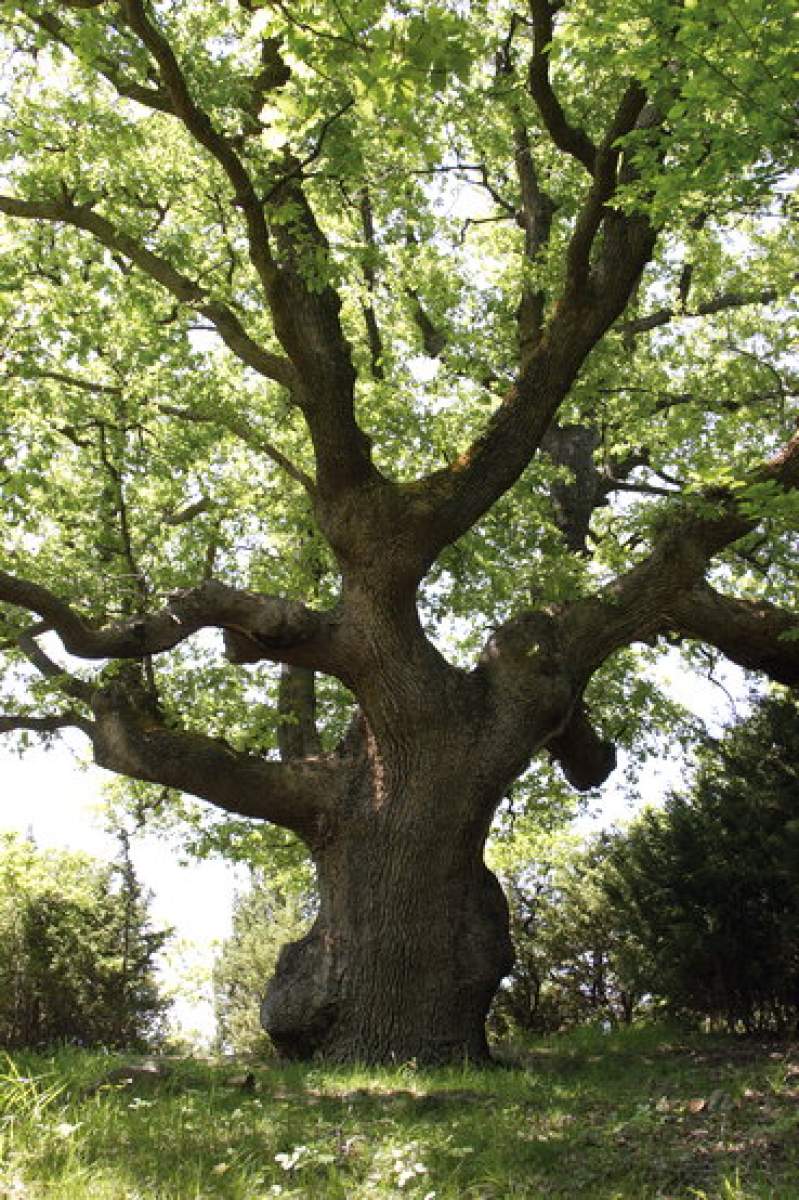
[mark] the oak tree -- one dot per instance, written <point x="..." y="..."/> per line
<point x="437" y="354"/>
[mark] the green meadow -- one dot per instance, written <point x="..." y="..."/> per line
<point x="644" y="1113"/>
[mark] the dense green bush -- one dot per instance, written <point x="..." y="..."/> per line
<point x="709" y="887"/>
<point x="693" y="910"/>
<point x="77" y="951"/>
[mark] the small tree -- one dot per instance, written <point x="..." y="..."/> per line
<point x="264" y="920"/>
<point x="574" y="962"/>
<point x="709" y="887"/>
<point x="77" y="951"/>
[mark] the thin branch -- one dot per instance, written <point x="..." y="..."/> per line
<point x="241" y="428"/>
<point x="130" y="88"/>
<point x="373" y="334"/>
<point x="298" y="169"/>
<point x="75" y="381"/>
<point x="720" y="303"/>
<point x="201" y="128"/>
<point x="46" y="725"/>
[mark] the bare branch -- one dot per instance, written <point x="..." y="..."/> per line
<point x="271" y="628"/>
<point x="30" y="372"/>
<point x="754" y="634"/>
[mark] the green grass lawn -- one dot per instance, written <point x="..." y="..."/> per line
<point x="639" y="1114"/>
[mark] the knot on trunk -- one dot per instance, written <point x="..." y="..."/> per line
<point x="585" y="758"/>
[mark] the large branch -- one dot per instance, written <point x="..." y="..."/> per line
<point x="540" y="655"/>
<point x="299" y="795"/>
<point x="256" y="626"/>
<point x="638" y="606"/>
<point x="83" y="216"/>
<point x="567" y="137"/>
<point x="754" y="634"/>
<point x="595" y="294"/>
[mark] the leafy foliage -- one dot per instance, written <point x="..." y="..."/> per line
<point x="444" y="350"/>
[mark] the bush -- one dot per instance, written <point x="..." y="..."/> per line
<point x="77" y="952"/>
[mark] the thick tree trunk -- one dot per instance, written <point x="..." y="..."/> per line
<point x="411" y="940"/>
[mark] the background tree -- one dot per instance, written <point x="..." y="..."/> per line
<point x="77" y="951"/>
<point x="264" y="920"/>
<point x="575" y="960"/>
<point x="709" y="887"/>
<point x="270" y="372"/>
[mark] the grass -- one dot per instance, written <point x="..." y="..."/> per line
<point x="643" y="1114"/>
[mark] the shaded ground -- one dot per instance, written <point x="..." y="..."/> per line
<point x="639" y="1115"/>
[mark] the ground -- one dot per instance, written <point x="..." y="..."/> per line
<point x="645" y="1114"/>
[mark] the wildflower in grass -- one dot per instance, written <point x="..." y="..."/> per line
<point x="220" y="1168"/>
<point x="405" y="1172"/>
<point x="290" y="1162"/>
<point x="64" y="1129"/>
